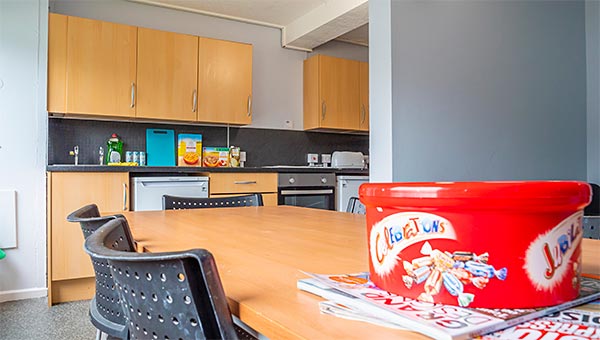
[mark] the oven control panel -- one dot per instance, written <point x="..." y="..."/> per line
<point x="306" y="180"/>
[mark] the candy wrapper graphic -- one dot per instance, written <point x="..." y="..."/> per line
<point x="439" y="270"/>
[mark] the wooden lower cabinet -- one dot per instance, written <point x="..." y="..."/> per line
<point x="239" y="183"/>
<point x="70" y="272"/>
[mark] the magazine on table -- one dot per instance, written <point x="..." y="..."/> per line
<point x="360" y="299"/>
<point x="576" y="323"/>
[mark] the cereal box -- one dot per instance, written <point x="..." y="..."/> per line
<point x="215" y="157"/>
<point x="189" y="149"/>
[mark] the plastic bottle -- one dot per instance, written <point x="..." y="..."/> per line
<point x="234" y="156"/>
<point x="114" y="147"/>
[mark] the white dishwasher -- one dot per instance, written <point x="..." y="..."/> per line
<point x="148" y="191"/>
<point x="346" y="187"/>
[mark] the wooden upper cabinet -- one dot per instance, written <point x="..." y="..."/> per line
<point x="101" y="68"/>
<point x="224" y="82"/>
<point x="363" y="124"/>
<point x="57" y="62"/>
<point x="105" y="69"/>
<point x="331" y="93"/>
<point x="167" y="75"/>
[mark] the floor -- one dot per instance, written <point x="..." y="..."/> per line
<point x="32" y="319"/>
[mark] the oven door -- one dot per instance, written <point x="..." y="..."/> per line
<point x="308" y="197"/>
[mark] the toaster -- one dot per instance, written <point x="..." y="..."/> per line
<point x="347" y="160"/>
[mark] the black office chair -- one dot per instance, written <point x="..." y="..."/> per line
<point x="106" y="312"/>
<point x="593" y="209"/>
<point x="591" y="215"/>
<point x="174" y="202"/>
<point x="355" y="206"/>
<point x="176" y="295"/>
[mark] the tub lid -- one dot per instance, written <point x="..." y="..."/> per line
<point x="540" y="192"/>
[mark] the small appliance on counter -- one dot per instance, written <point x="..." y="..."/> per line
<point x="347" y="160"/>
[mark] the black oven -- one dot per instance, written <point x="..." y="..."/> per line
<point x="310" y="190"/>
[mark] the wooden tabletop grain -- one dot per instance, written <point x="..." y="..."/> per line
<point x="260" y="253"/>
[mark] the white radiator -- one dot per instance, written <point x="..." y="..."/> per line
<point x="8" y="219"/>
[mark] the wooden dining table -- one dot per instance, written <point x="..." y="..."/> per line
<point x="261" y="253"/>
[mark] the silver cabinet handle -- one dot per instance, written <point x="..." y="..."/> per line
<point x="363" y="114"/>
<point x="132" y="95"/>
<point x="323" y="110"/>
<point x="249" y="105"/>
<point x="244" y="182"/>
<point x="195" y="101"/>
<point x="124" y="196"/>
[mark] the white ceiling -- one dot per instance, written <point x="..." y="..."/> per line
<point x="359" y="36"/>
<point x="305" y="24"/>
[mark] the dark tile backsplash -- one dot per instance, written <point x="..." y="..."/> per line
<point x="262" y="146"/>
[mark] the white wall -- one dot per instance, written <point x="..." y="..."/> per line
<point x="592" y="30"/>
<point x="23" y="142"/>
<point x="381" y="147"/>
<point x="488" y="90"/>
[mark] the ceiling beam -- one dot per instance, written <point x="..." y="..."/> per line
<point x="324" y="23"/>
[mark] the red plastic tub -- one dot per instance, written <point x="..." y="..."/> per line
<point x="477" y="244"/>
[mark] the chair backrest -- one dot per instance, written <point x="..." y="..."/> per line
<point x="107" y="315"/>
<point x="175" y="295"/>
<point x="175" y="202"/>
<point x="593" y="209"/>
<point x="90" y="220"/>
<point x="355" y="206"/>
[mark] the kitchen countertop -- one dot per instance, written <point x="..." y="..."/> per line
<point x="187" y="170"/>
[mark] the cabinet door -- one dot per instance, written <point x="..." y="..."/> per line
<point x="339" y="90"/>
<point x="57" y="62"/>
<point x="167" y="75"/>
<point x="224" y="82"/>
<point x="70" y="191"/>
<point x="364" y="97"/>
<point x="101" y="66"/>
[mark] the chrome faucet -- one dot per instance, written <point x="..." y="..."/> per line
<point x="75" y="152"/>
<point x="101" y="156"/>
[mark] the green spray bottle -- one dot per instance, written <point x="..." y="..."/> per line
<point x="114" y="148"/>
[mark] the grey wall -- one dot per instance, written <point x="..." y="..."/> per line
<point x="490" y="90"/>
<point x="592" y="30"/>
<point x="277" y="72"/>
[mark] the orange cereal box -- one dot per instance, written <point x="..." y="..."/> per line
<point x="189" y="150"/>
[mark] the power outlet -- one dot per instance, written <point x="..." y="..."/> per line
<point x="288" y="124"/>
